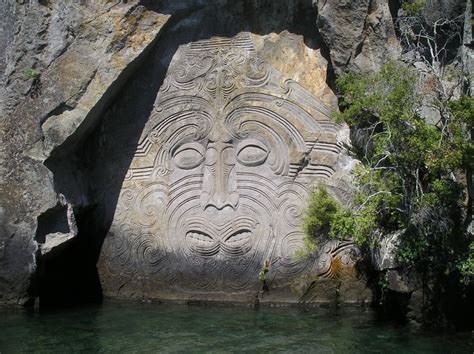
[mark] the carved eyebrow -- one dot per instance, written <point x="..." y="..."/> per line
<point x="275" y="123"/>
<point x="227" y="141"/>
<point x="255" y="142"/>
<point x="187" y="145"/>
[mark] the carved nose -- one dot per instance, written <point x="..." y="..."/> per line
<point x="220" y="200"/>
<point x="220" y="182"/>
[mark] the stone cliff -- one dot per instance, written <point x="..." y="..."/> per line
<point x="62" y="63"/>
<point x="165" y="150"/>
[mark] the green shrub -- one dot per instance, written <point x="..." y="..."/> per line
<point x="467" y="265"/>
<point x="320" y="214"/>
<point x="407" y="179"/>
<point x="326" y="218"/>
<point x="413" y="8"/>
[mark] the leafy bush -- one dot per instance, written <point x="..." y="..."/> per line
<point x="320" y="214"/>
<point x="408" y="176"/>
<point x="413" y="8"/>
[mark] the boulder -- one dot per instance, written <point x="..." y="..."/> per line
<point x="360" y="34"/>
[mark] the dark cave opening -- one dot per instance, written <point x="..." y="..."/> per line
<point x="51" y="221"/>
<point x="67" y="275"/>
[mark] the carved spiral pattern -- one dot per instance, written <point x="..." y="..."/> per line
<point x="291" y="262"/>
<point x="154" y="137"/>
<point x="212" y="191"/>
<point x="293" y="214"/>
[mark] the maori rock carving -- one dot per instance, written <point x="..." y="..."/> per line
<point x="221" y="175"/>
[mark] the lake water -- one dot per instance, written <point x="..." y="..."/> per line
<point x="124" y="327"/>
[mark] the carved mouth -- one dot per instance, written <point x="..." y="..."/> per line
<point x="233" y="238"/>
<point x="199" y="236"/>
<point x="202" y="243"/>
<point x="212" y="242"/>
<point x="239" y="236"/>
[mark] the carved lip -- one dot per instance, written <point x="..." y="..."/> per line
<point x="236" y="237"/>
<point x="233" y="238"/>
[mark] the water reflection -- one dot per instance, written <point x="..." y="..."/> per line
<point x="118" y="327"/>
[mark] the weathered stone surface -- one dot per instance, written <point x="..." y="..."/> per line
<point x="384" y="255"/>
<point x="288" y="53"/>
<point x="52" y="240"/>
<point x="62" y="61"/>
<point x="360" y="34"/>
<point x="200" y="163"/>
<point x="401" y="281"/>
<point x="101" y="64"/>
<point x="467" y="49"/>
<point x="215" y="183"/>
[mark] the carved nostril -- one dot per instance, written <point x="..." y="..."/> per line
<point x="205" y="199"/>
<point x="220" y="200"/>
<point x="234" y="199"/>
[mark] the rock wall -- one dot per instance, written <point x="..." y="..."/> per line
<point x="82" y="86"/>
<point x="360" y="34"/>
<point x="62" y="63"/>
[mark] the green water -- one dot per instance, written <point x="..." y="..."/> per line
<point x="120" y="328"/>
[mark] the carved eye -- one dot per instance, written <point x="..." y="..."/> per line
<point x="188" y="156"/>
<point x="251" y="152"/>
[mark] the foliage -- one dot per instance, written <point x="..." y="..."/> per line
<point x="262" y="275"/>
<point x="463" y="116"/>
<point x="467" y="266"/>
<point x="32" y="73"/>
<point x="326" y="218"/>
<point x="413" y="8"/>
<point x="407" y="179"/>
<point x="320" y="213"/>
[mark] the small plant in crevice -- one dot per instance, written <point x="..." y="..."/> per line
<point x="382" y="285"/>
<point x="34" y="75"/>
<point x="262" y="276"/>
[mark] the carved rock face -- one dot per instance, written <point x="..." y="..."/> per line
<point x="220" y="178"/>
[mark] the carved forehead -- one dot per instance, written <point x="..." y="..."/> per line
<point x="222" y="80"/>
<point x="220" y="90"/>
